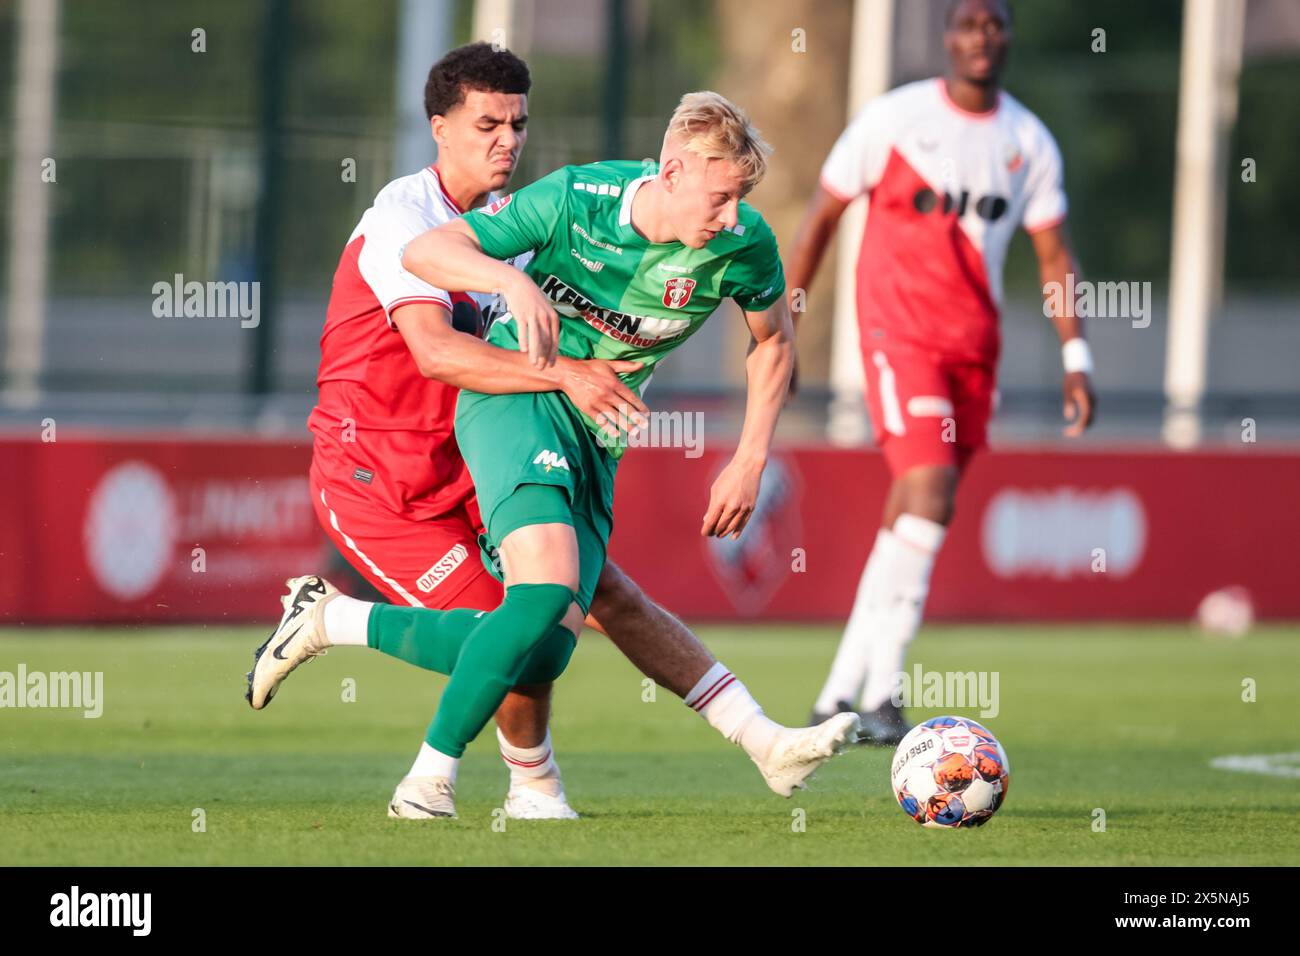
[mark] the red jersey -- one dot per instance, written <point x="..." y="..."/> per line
<point x="948" y="188"/>
<point x="379" y="424"/>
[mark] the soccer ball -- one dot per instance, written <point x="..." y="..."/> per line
<point x="1228" y="612"/>
<point x="950" y="772"/>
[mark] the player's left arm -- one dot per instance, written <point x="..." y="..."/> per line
<point x="767" y="371"/>
<point x="1055" y="263"/>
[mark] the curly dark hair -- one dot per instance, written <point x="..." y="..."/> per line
<point x="475" y="66"/>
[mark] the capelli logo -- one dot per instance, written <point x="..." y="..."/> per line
<point x="74" y="909"/>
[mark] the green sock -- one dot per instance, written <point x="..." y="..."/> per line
<point x="421" y="636"/>
<point x="433" y="639"/>
<point x="491" y="661"/>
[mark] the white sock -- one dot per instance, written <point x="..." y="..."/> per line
<point x="532" y="766"/>
<point x="732" y="711"/>
<point x="347" y="620"/>
<point x="434" y="763"/>
<point x="905" y="582"/>
<point x="849" y="671"/>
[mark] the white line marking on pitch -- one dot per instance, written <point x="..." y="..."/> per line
<point x="1272" y="765"/>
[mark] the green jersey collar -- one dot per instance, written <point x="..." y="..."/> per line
<point x="625" y="211"/>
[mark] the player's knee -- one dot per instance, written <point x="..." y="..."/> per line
<point x="931" y="495"/>
<point x="546" y="552"/>
<point x="541" y="602"/>
<point x="936" y="506"/>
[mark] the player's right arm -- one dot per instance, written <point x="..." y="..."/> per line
<point x="457" y="358"/>
<point x="451" y="257"/>
<point x="468" y="254"/>
<point x="810" y="242"/>
<point x="421" y="312"/>
<point x="850" y="171"/>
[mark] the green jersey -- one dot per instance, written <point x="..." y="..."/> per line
<point x="618" y="295"/>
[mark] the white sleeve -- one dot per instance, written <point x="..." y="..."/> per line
<point x="388" y="228"/>
<point x="493" y="305"/>
<point x="854" y="165"/>
<point x="1045" y="187"/>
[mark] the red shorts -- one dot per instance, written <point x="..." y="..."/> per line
<point x="928" y="410"/>
<point x="431" y="562"/>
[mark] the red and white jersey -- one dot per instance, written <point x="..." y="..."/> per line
<point x="379" y="422"/>
<point x="948" y="188"/>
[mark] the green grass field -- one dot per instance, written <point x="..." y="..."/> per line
<point x="1122" y="719"/>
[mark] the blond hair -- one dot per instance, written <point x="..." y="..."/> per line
<point x="710" y="126"/>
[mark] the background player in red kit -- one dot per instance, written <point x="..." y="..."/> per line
<point x="952" y="166"/>
<point x="393" y="493"/>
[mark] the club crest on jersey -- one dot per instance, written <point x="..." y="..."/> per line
<point x="1014" y="158"/>
<point x="677" y="291"/>
<point x="492" y="208"/>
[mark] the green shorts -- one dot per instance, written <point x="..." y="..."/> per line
<point x="538" y="438"/>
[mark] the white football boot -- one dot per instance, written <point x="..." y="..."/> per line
<point x="423" y="798"/>
<point x="797" y="753"/>
<point x="530" y="803"/>
<point x="299" y="637"/>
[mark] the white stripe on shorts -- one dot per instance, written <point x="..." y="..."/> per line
<point x="352" y="545"/>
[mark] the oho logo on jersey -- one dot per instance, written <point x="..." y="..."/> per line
<point x="551" y="460"/>
<point x="990" y="208"/>
<point x="442" y="568"/>
<point x="677" y="291"/>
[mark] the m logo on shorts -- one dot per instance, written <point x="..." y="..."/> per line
<point x="551" y="460"/>
<point x="442" y="568"/>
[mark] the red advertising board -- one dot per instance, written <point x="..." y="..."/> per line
<point x="1038" y="534"/>
<point x="150" y="529"/>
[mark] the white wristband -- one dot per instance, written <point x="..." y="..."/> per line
<point x="1076" y="356"/>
